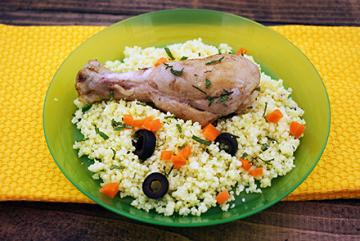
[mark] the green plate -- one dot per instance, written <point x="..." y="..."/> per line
<point x="277" y="56"/>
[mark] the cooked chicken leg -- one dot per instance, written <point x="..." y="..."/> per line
<point x="200" y="90"/>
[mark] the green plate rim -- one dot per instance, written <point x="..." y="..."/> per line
<point x="209" y="223"/>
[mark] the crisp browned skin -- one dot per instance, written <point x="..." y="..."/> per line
<point x="233" y="86"/>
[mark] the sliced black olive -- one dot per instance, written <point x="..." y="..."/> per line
<point x="228" y="143"/>
<point x="144" y="144"/>
<point x="155" y="185"/>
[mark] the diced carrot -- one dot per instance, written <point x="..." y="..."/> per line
<point x="110" y="189"/>
<point x="128" y="120"/>
<point x="186" y="151"/>
<point x="222" y="197"/>
<point x="147" y="123"/>
<point x="160" y="61"/>
<point x="156" y="125"/>
<point x="296" y="129"/>
<point x="138" y="123"/>
<point x="245" y="164"/>
<point x="210" y="132"/>
<point x="166" y="155"/>
<point x="257" y="172"/>
<point x="241" y="51"/>
<point x="178" y="161"/>
<point x="274" y="116"/>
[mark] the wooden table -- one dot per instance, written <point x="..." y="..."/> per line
<point x="312" y="220"/>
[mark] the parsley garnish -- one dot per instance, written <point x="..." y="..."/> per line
<point x="266" y="160"/>
<point x="167" y="66"/>
<point x="169" y="117"/>
<point x="173" y="71"/>
<point x="176" y="72"/>
<point x="264" y="147"/>
<point x="201" y="141"/>
<point x="215" y="61"/>
<point x="207" y="83"/>
<point x="178" y="126"/>
<point x="224" y="96"/>
<point x="86" y="108"/>
<point x="168" y="52"/>
<point x="114" y="152"/>
<point x="118" y="126"/>
<point x="210" y="100"/>
<point x="266" y="104"/>
<point x="271" y="139"/>
<point x="141" y="103"/>
<point x="112" y="167"/>
<point x="111" y="95"/>
<point x="184" y="58"/>
<point x="102" y="134"/>
<point x="199" y="89"/>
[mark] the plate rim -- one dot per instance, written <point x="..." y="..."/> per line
<point x="195" y="224"/>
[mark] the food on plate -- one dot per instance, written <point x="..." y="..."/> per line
<point x="185" y="164"/>
<point x="201" y="89"/>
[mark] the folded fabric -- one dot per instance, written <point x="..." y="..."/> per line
<point x="29" y="56"/>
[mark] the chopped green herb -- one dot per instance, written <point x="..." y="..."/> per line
<point x="199" y="54"/>
<point x="112" y="167"/>
<point x="86" y="108"/>
<point x="266" y="104"/>
<point x="141" y="103"/>
<point x="201" y="141"/>
<point x="266" y="160"/>
<point x="172" y="167"/>
<point x="167" y="66"/>
<point x="207" y="83"/>
<point x="244" y="155"/>
<point x="169" y="117"/>
<point x="264" y="147"/>
<point x="168" y="52"/>
<point x="184" y="58"/>
<point x="257" y="88"/>
<point x="79" y="136"/>
<point x="118" y="126"/>
<point x="215" y="61"/>
<point x="224" y="96"/>
<point x="176" y="72"/>
<point x="111" y="95"/>
<point x="271" y="139"/>
<point x="199" y="89"/>
<point x="178" y="126"/>
<point x="210" y="100"/>
<point x="102" y="134"/>
<point x="219" y="51"/>
<point x="114" y="152"/>
<point x="173" y="71"/>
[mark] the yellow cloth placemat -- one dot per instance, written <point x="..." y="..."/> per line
<point x="29" y="56"/>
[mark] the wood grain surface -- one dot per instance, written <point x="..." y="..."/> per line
<point x="286" y="221"/>
<point x="104" y="12"/>
<point x="330" y="221"/>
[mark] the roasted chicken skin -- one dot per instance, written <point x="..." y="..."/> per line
<point x="201" y="90"/>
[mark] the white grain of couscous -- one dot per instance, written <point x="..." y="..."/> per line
<point x="193" y="188"/>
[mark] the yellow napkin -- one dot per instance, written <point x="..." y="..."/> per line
<point x="29" y="56"/>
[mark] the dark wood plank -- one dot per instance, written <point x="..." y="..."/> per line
<point x="102" y="12"/>
<point x="25" y="17"/>
<point x="327" y="220"/>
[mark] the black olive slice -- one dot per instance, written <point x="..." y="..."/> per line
<point x="155" y="185"/>
<point x="228" y="143"/>
<point x="144" y="144"/>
